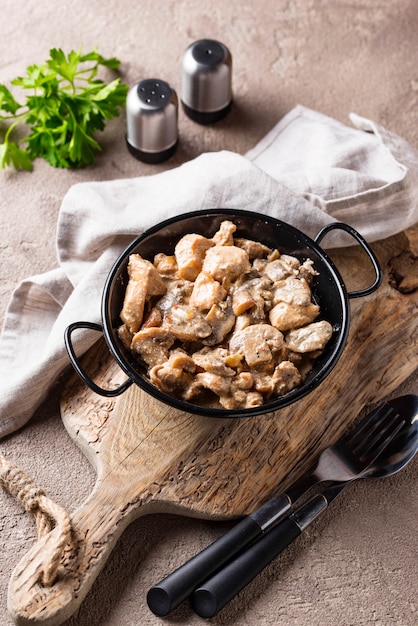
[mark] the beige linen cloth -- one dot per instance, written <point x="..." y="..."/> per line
<point x="310" y="170"/>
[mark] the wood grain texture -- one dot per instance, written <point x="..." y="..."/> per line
<point x="152" y="458"/>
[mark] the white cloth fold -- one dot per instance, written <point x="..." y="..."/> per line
<point x="308" y="171"/>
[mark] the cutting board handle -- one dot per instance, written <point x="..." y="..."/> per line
<point x="93" y="539"/>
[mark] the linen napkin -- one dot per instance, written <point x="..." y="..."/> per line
<point x="310" y="170"/>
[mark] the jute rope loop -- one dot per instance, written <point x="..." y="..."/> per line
<point x="47" y="514"/>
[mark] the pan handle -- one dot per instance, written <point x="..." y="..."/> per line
<point x="372" y="257"/>
<point x="108" y="393"/>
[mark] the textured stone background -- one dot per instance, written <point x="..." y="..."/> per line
<point x="356" y="565"/>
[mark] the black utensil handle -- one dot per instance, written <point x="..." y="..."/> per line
<point x="170" y="592"/>
<point x="216" y="592"/>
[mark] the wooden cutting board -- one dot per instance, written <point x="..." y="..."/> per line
<point x="152" y="458"/>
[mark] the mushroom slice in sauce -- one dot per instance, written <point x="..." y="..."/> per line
<point x="221" y="320"/>
<point x="186" y="323"/>
<point x="254" y="249"/>
<point x="152" y="345"/>
<point x="257" y="343"/>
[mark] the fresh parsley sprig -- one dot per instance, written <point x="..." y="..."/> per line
<point x="66" y="105"/>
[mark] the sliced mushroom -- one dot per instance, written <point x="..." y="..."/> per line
<point x="152" y="345"/>
<point x="254" y="249"/>
<point x="186" y="323"/>
<point x="253" y="296"/>
<point x="258" y="343"/>
<point x="221" y="320"/>
<point x="172" y="380"/>
<point x="214" y="360"/>
<point x="282" y="268"/>
<point x="178" y="292"/>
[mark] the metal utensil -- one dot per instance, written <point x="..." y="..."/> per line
<point x="347" y="459"/>
<point x="208" y="599"/>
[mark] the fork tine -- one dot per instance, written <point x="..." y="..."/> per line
<point x="368" y="425"/>
<point x="380" y="431"/>
<point x="382" y="439"/>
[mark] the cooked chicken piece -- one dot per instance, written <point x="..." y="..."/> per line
<point x="144" y="282"/>
<point x="285" y="378"/>
<point x="165" y="265"/>
<point x="152" y="345"/>
<point x="214" y="361"/>
<point x="315" y="336"/>
<point x="286" y="316"/>
<point x="178" y="292"/>
<point x="258" y="343"/>
<point x="226" y="262"/>
<point x="206" y="292"/>
<point x="133" y="305"/>
<point x="254" y="249"/>
<point x="224" y="236"/>
<point x="190" y="252"/>
<point x="186" y="323"/>
<point x="141" y="270"/>
<point x="307" y="270"/>
<point x="282" y="268"/>
<point x="292" y="291"/>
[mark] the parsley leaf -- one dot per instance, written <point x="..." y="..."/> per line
<point x="66" y="105"/>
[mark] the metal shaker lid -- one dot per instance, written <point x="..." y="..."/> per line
<point x="151" y="120"/>
<point x="206" y="82"/>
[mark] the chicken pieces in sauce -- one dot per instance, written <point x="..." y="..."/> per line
<point x="224" y="321"/>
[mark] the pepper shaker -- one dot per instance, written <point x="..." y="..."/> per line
<point x="206" y="81"/>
